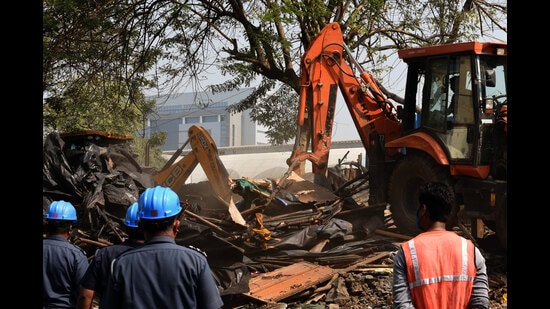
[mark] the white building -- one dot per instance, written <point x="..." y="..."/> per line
<point x="176" y="113"/>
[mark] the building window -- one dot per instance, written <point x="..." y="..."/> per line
<point x="189" y="120"/>
<point x="210" y="118"/>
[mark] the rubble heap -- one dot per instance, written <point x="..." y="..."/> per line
<point x="294" y="227"/>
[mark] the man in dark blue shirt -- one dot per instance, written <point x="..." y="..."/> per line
<point x="160" y="273"/>
<point x="94" y="282"/>
<point x="64" y="263"/>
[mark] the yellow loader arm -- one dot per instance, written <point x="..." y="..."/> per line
<point x="205" y="152"/>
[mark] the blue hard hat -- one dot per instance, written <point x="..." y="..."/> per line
<point x="132" y="215"/>
<point x="158" y="203"/>
<point x="61" y="210"/>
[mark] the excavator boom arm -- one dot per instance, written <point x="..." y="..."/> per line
<point x="176" y="174"/>
<point x="324" y="70"/>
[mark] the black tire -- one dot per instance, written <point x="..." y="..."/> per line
<point x="409" y="175"/>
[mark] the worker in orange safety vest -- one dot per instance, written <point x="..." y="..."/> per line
<point x="438" y="268"/>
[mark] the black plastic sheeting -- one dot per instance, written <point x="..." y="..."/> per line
<point x="101" y="181"/>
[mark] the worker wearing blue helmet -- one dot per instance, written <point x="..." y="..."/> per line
<point x="94" y="283"/>
<point x="64" y="263"/>
<point x="160" y="273"/>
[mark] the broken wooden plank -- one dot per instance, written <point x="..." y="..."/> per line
<point x="392" y="234"/>
<point x="366" y="261"/>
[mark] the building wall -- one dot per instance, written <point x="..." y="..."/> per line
<point x="235" y="129"/>
<point x="169" y="125"/>
<point x="175" y="114"/>
<point x="249" y="130"/>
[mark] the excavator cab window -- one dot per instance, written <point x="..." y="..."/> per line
<point x="436" y="96"/>
<point x="493" y="87"/>
<point x="448" y="104"/>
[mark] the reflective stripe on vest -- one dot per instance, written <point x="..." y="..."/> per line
<point x="463" y="276"/>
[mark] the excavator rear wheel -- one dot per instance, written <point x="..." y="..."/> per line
<point x="409" y="175"/>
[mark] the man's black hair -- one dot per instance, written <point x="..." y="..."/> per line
<point x="157" y="225"/>
<point x="439" y="199"/>
<point x="134" y="233"/>
<point x="57" y="226"/>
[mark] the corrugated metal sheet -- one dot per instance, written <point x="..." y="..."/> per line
<point x="287" y="281"/>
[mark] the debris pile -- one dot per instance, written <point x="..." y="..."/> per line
<point x="303" y="243"/>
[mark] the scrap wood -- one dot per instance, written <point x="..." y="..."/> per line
<point x="327" y="286"/>
<point x="315" y="298"/>
<point x="96" y="243"/>
<point x="253" y="209"/>
<point x="375" y="267"/>
<point x="319" y="246"/>
<point x="278" y="262"/>
<point x="334" y="259"/>
<point x="307" y="217"/>
<point x="391" y="234"/>
<point x="201" y="219"/>
<point x="296" y="222"/>
<point x="298" y="213"/>
<point x="366" y="261"/>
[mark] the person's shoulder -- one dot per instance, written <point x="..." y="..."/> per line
<point x="67" y="245"/>
<point x="112" y="250"/>
<point x="55" y="240"/>
<point x="196" y="250"/>
<point x="121" y="251"/>
<point x="78" y="249"/>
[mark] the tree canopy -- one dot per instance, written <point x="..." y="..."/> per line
<point x="100" y="57"/>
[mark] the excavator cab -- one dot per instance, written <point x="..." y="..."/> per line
<point x="461" y="86"/>
<point x="463" y="129"/>
<point x="450" y="127"/>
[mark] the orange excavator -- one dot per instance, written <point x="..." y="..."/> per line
<point x="433" y="134"/>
